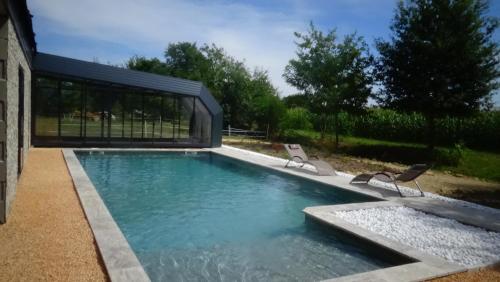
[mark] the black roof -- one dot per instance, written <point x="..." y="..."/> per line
<point x="94" y="71"/>
<point x="72" y="68"/>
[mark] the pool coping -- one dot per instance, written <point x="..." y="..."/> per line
<point x="119" y="259"/>
<point x="425" y="267"/>
<point x="123" y="265"/>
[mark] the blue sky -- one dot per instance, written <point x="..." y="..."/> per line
<point x="259" y="32"/>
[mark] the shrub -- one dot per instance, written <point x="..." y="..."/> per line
<point x="450" y="156"/>
<point x="296" y="118"/>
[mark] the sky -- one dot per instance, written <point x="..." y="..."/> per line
<point x="258" y="32"/>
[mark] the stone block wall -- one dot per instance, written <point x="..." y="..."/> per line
<point x="15" y="59"/>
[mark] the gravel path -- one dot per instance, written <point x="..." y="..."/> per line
<point x="446" y="238"/>
<point x="47" y="237"/>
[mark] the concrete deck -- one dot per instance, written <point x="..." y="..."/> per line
<point x="119" y="259"/>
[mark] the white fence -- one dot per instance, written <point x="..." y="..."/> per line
<point x="231" y="131"/>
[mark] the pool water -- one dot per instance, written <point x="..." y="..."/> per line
<point x="206" y="217"/>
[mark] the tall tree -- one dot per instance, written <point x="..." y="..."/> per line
<point x="153" y="65"/>
<point x="186" y="60"/>
<point x="265" y="104"/>
<point x="334" y="75"/>
<point x="441" y="59"/>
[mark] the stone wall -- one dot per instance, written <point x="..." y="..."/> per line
<point x="15" y="60"/>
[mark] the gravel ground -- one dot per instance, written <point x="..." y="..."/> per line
<point x="47" y="237"/>
<point x="463" y="244"/>
<point x="489" y="274"/>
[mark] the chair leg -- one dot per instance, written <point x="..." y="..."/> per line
<point x="287" y="163"/>
<point x="418" y="186"/>
<point x="397" y="187"/>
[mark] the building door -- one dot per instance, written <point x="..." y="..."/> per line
<point x="20" y="119"/>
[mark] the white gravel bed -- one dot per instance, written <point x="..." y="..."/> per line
<point x="405" y="190"/>
<point x="455" y="242"/>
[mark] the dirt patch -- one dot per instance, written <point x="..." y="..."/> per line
<point x="485" y="274"/>
<point x="47" y="237"/>
<point x="454" y="186"/>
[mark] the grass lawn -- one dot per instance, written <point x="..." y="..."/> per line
<point x="48" y="126"/>
<point x="483" y="165"/>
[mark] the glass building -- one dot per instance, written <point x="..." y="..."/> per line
<point x="77" y="103"/>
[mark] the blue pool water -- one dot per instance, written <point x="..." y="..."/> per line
<point x="206" y="217"/>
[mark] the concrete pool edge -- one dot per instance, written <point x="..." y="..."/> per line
<point x="425" y="267"/>
<point x="339" y="183"/>
<point x="119" y="259"/>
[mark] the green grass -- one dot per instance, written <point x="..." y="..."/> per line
<point x="47" y="126"/>
<point x="483" y="165"/>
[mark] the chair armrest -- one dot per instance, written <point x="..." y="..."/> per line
<point x="297" y="157"/>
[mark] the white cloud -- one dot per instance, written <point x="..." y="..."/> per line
<point x="262" y="38"/>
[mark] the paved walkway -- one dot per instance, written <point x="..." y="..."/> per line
<point x="47" y="237"/>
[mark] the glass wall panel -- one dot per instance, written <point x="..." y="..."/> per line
<point x="186" y="117"/>
<point x="64" y="108"/>
<point x="127" y="115"/>
<point x="117" y="116"/>
<point x="168" y="116"/>
<point x="133" y="114"/>
<point x="152" y="116"/>
<point x="47" y="108"/>
<point x="94" y="113"/>
<point x="202" y="123"/>
<point x="46" y="82"/>
<point x="71" y="109"/>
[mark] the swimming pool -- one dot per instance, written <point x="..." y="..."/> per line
<point x="199" y="217"/>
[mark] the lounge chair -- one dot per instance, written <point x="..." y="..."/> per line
<point x="299" y="156"/>
<point x="410" y="174"/>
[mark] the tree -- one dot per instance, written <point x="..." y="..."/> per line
<point x="296" y="118"/>
<point x="333" y="75"/>
<point x="296" y="100"/>
<point x="440" y="61"/>
<point x="266" y="107"/>
<point x="186" y="60"/>
<point x="148" y="65"/>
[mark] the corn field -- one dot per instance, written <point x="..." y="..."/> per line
<point x="481" y="131"/>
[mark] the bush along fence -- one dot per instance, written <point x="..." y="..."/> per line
<point x="481" y="131"/>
